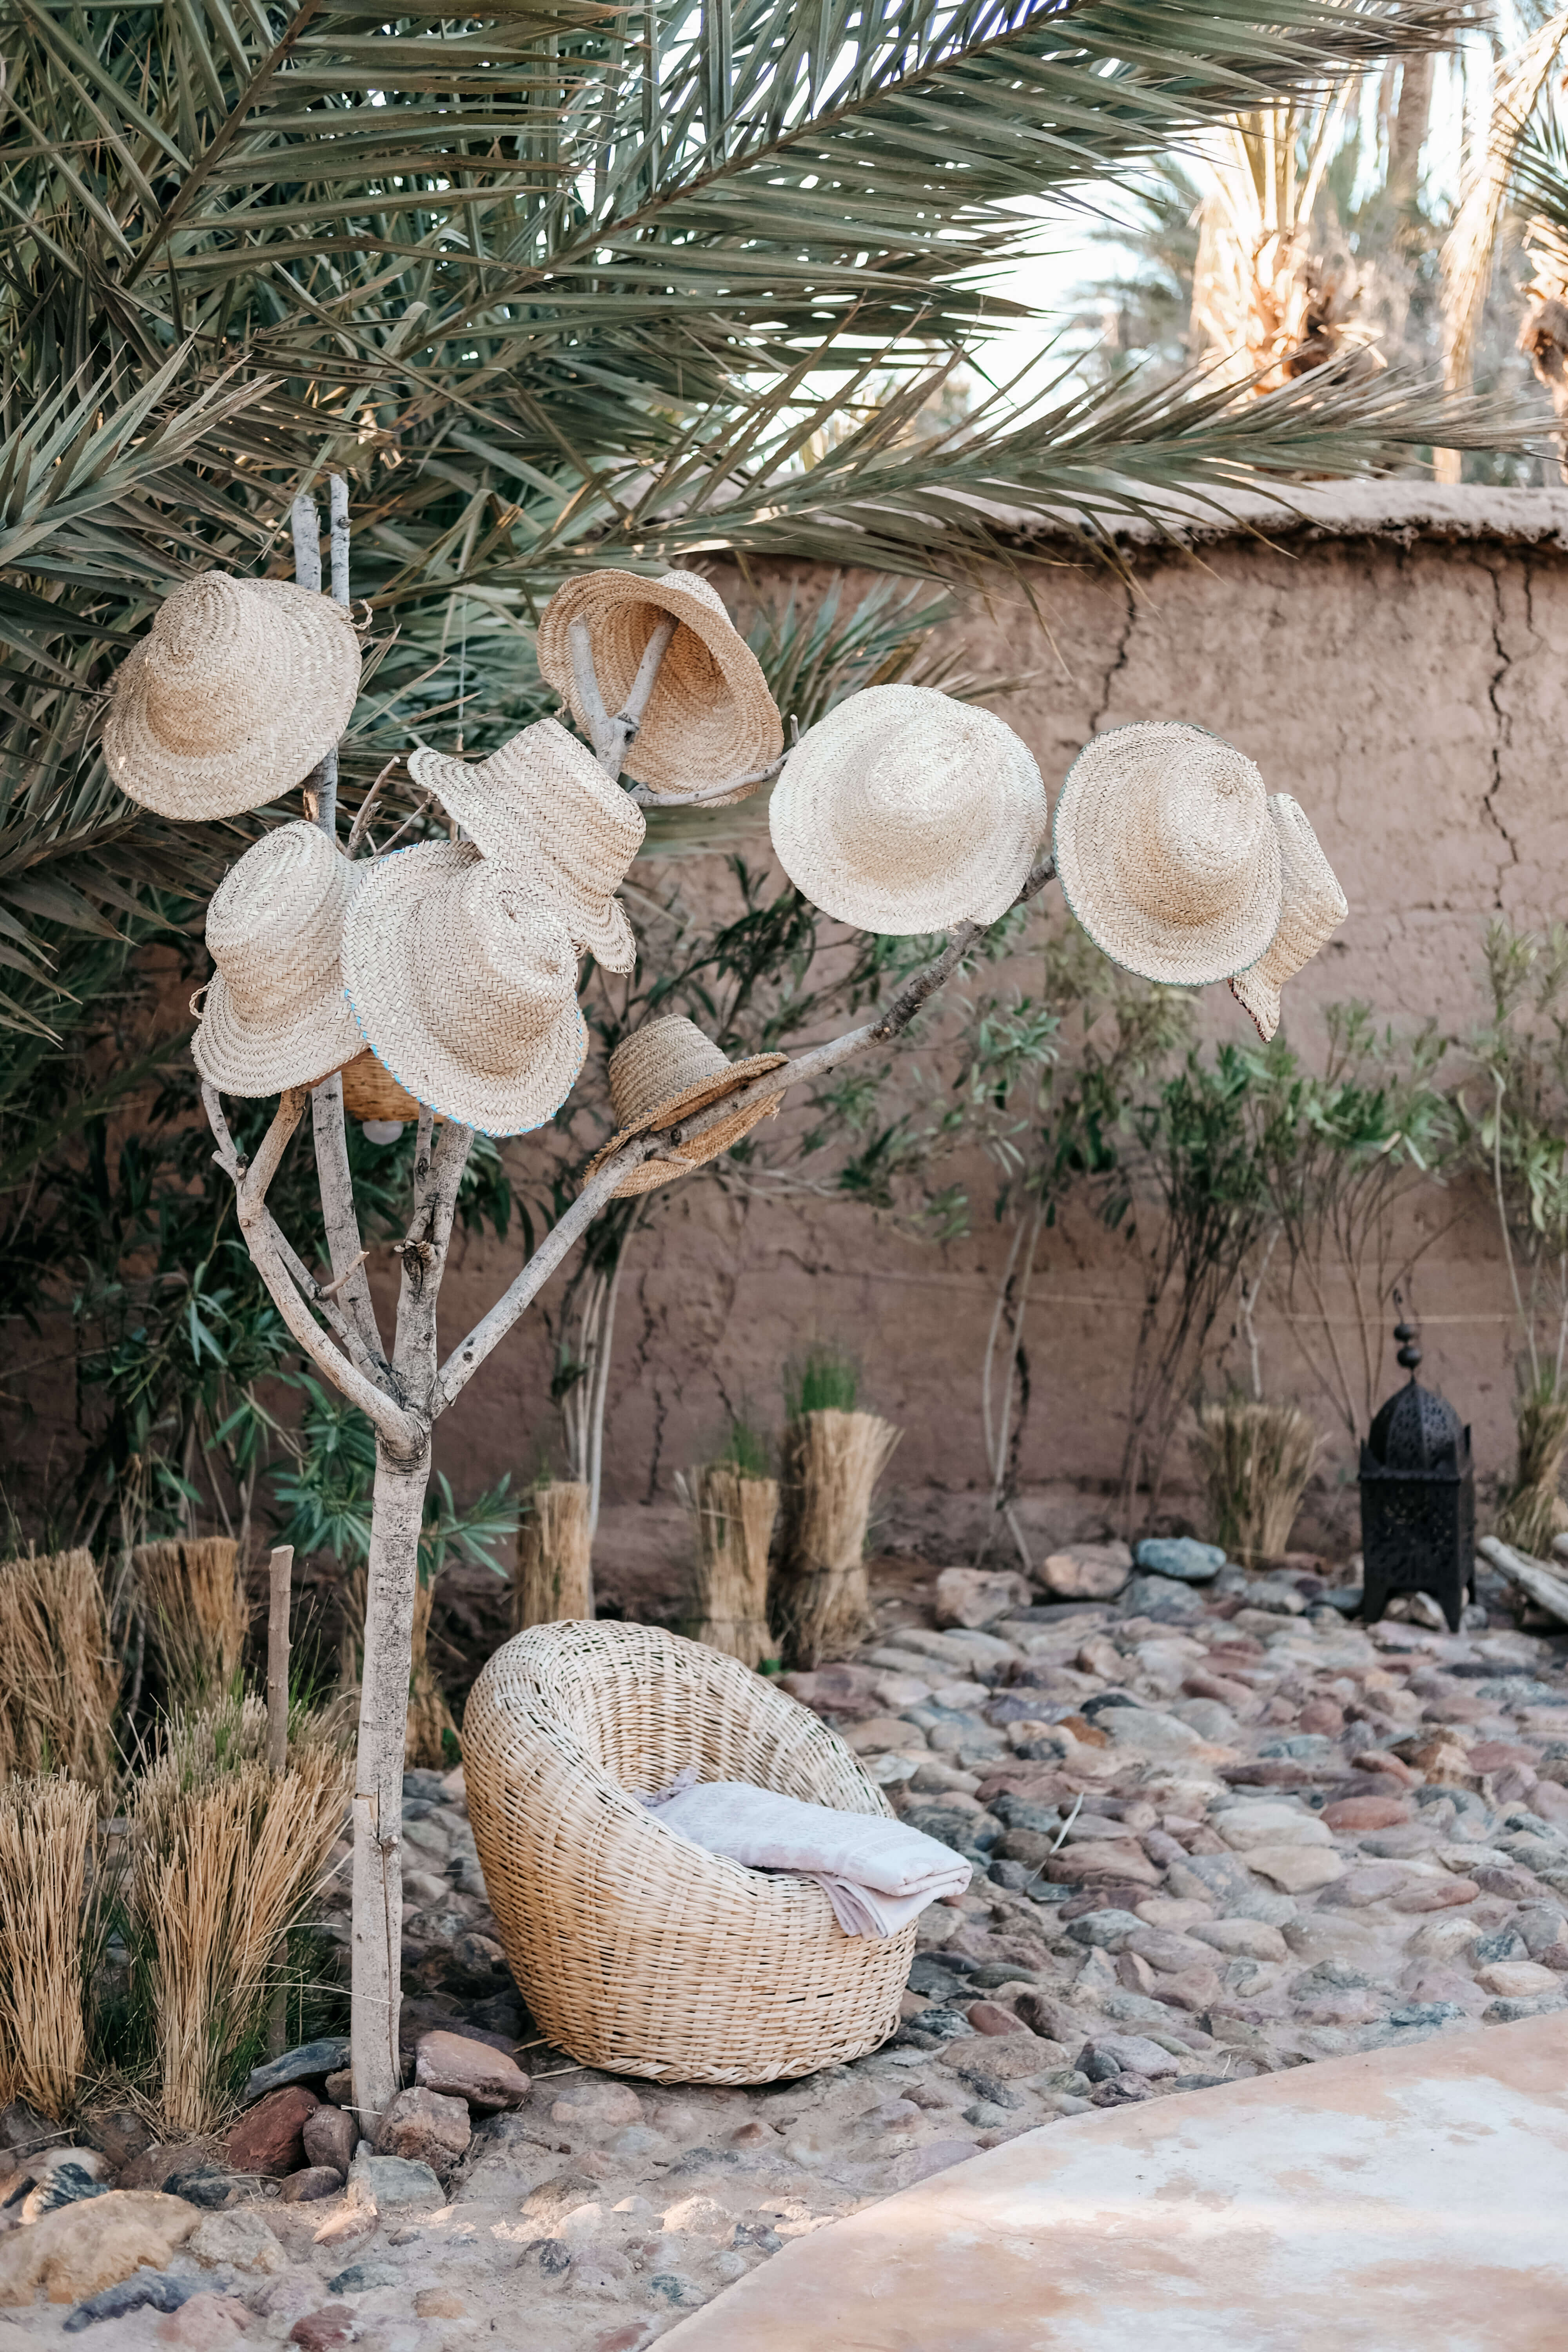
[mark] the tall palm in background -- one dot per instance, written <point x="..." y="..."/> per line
<point x="1516" y="200"/>
<point x="557" y="281"/>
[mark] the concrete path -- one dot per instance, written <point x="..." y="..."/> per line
<point x="1399" y="2201"/>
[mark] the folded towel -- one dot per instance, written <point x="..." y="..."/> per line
<point x="877" y="1874"/>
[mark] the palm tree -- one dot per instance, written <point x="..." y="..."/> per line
<point x="555" y="281"/>
<point x="1520" y="168"/>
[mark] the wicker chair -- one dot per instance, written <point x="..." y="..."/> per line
<point x="636" y="1950"/>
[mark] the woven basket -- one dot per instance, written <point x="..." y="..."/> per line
<point x="369" y="1091"/>
<point x="636" y="1951"/>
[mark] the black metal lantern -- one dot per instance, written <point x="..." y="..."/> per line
<point x="1417" y="1498"/>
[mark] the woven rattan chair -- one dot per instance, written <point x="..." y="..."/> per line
<point x="636" y="1950"/>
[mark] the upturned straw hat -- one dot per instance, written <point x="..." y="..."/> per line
<point x="665" y="1072"/>
<point x="543" y="807"/>
<point x="1313" y="908"/>
<point x="465" y="987"/>
<point x="709" y="715"/>
<point x="1167" y="854"/>
<point x="232" y="697"/>
<point x="275" y="1014"/>
<point x="904" y="811"/>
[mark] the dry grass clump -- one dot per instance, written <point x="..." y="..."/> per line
<point x="1254" y="1460"/>
<point x="197" y="1613"/>
<point x="226" y="1855"/>
<point x="60" y="1679"/>
<point x="555" y="1575"/>
<point x="1531" y="1510"/>
<point x="832" y="1461"/>
<point x="733" y="1519"/>
<point x="45" y="1828"/>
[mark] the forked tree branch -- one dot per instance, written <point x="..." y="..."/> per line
<point x="917" y="992"/>
<point x="267" y="1249"/>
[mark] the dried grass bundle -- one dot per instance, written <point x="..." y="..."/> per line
<point x="1531" y="1510"/>
<point x="1254" y="1460"/>
<point x="46" y="1827"/>
<point x="429" y="1717"/>
<point x="554" y="1577"/>
<point x="59" y="1680"/>
<point x="197" y="1612"/>
<point x="227" y="1855"/>
<point x="832" y="1461"/>
<point x="732" y="1521"/>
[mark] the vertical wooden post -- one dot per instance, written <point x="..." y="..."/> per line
<point x="281" y="1578"/>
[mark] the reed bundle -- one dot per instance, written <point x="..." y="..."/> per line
<point x="832" y="1461"/>
<point x="227" y="1856"/>
<point x="554" y="1577"/>
<point x="46" y="1829"/>
<point x="1531" y="1510"/>
<point x="1254" y="1460"/>
<point x="733" y="1519"/>
<point x="60" y="1679"/>
<point x="197" y="1613"/>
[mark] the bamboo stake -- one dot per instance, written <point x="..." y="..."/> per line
<point x="280" y="1578"/>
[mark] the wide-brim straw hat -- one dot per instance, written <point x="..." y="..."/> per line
<point x="904" y="811"/>
<point x="709" y="715"/>
<point x="665" y="1072"/>
<point x="543" y="807"/>
<point x="1313" y="906"/>
<point x="1167" y="854"/>
<point x="465" y="987"/>
<point x="274" y="1014"/>
<point x="235" y="692"/>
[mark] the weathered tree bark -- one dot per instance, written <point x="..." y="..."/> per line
<point x="376" y="1946"/>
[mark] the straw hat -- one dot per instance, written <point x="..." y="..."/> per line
<point x="665" y="1072"/>
<point x="232" y="697"/>
<point x="709" y="715"/>
<point x="275" y="1015"/>
<point x="465" y="987"/>
<point x="1314" y="907"/>
<point x="543" y="807"/>
<point x="904" y="811"/>
<point x="1167" y="852"/>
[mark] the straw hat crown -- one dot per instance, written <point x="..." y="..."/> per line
<point x="1313" y="908"/>
<point x="904" y="811"/>
<point x="1167" y="854"/>
<point x="710" y="716"/>
<point x="544" y="808"/>
<point x="667" y="1071"/>
<point x="465" y="987"/>
<point x="275" y="1014"/>
<point x="236" y="691"/>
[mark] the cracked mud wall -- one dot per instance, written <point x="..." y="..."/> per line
<point x="1409" y="689"/>
<point x="1410" y="693"/>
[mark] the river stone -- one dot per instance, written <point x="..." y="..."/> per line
<point x="392" y="2184"/>
<point x="1181" y="1557"/>
<point x="462" y="2069"/>
<point x="313" y="2062"/>
<point x="270" y="2137"/>
<point x="1145" y="1731"/>
<point x="237" y="2240"/>
<point x="1086" y="1571"/>
<point x="423" y="2127"/>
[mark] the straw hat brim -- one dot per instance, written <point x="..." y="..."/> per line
<point x="1179" y="955"/>
<point x="668" y="753"/>
<point x="978" y="887"/>
<point x="686" y="1104"/>
<point x="253" y="1059"/>
<point x="1260" y="999"/>
<point x="317" y="687"/>
<point x="650" y="1174"/>
<point x="391" y="1023"/>
<point x="601" y="931"/>
<point x="1314" y="907"/>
